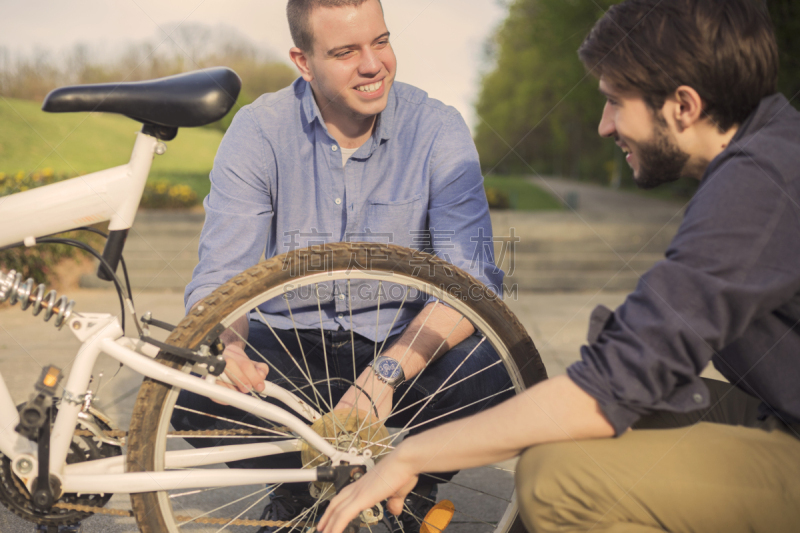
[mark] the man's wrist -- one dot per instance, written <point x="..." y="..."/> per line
<point x="388" y="371"/>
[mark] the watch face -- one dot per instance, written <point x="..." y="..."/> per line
<point x="389" y="369"/>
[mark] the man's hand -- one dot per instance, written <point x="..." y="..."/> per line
<point x="380" y="392"/>
<point x="244" y="373"/>
<point x="392" y="479"/>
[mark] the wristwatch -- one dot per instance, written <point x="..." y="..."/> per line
<point x="389" y="371"/>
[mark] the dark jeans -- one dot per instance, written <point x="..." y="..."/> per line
<point x="466" y="366"/>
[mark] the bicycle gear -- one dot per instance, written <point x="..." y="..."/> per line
<point x="16" y="498"/>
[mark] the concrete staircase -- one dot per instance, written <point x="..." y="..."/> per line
<point x="565" y="255"/>
<point x="606" y="243"/>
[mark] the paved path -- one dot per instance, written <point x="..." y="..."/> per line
<point x="556" y="322"/>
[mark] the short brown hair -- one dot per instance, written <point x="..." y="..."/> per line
<point x="299" y="14"/>
<point x="724" y="49"/>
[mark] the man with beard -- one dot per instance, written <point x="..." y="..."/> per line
<point x="691" y="91"/>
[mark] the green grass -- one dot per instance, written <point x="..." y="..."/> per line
<point x="79" y="143"/>
<point x="524" y="195"/>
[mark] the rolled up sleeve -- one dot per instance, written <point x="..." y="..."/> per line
<point x="732" y="262"/>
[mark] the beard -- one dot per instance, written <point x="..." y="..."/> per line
<point x="660" y="160"/>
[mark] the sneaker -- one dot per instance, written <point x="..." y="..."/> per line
<point x="284" y="506"/>
<point x="418" y="502"/>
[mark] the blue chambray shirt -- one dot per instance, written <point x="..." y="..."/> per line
<point x="278" y="184"/>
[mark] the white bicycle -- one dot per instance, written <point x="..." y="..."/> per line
<point x="62" y="459"/>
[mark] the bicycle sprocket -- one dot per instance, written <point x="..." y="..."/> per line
<point x="16" y="498"/>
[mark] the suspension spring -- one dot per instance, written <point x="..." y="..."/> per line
<point x="13" y="289"/>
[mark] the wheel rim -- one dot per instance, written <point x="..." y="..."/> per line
<point x="466" y="519"/>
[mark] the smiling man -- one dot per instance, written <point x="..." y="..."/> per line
<point x="690" y="88"/>
<point x="346" y="153"/>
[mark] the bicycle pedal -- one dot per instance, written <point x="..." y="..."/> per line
<point x="438" y="518"/>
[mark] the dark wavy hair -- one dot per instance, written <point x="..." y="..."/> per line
<point x="724" y="49"/>
<point x="299" y="14"/>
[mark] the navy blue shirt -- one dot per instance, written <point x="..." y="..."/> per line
<point x="728" y="289"/>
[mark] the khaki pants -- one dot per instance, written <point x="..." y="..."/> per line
<point x="698" y="476"/>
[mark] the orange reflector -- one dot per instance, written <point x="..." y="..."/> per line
<point x="51" y="378"/>
<point x="438" y="517"/>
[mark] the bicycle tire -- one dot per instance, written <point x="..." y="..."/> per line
<point x="152" y="411"/>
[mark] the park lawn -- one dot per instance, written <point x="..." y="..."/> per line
<point x="78" y="143"/>
<point x="524" y="195"/>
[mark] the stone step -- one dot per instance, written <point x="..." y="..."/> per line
<point x="548" y="252"/>
<point x="612" y="280"/>
<point x="576" y="261"/>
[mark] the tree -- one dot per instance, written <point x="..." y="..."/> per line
<point x="189" y="47"/>
<point x="786" y="18"/>
<point x="538" y="107"/>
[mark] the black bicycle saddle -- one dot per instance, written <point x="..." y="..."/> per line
<point x="185" y="100"/>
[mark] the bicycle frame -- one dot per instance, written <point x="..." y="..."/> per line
<point x="108" y="195"/>
<point x="113" y="195"/>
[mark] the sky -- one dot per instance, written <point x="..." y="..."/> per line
<point x="439" y="43"/>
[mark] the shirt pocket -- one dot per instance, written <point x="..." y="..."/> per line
<point x="400" y="222"/>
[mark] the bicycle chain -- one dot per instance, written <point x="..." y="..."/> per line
<point x="201" y="520"/>
<point x="118" y="434"/>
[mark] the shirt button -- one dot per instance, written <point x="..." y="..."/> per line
<point x="341" y="296"/>
<point x="340" y="315"/>
<point x="334" y="147"/>
<point x="338" y="201"/>
<point x="698" y="398"/>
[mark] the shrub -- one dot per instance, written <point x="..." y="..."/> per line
<point x="164" y="195"/>
<point x="498" y="199"/>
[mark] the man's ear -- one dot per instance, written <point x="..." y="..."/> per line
<point x="300" y="59"/>
<point x="687" y="108"/>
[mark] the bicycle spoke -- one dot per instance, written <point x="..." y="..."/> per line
<point x="239" y="423"/>
<point x="427" y="363"/>
<point x="377" y="322"/>
<point x="394" y="321"/>
<point x="325" y="358"/>
<point x="388" y="334"/>
<point x="467" y="487"/>
<point x="385" y="386"/>
<point x="459" y="409"/>
<point x="353" y="349"/>
<point x="223" y="506"/>
<point x="424" y="398"/>
<point x="300" y="345"/>
<point x="441" y="386"/>
<point x="474" y="518"/>
<point x="307" y="377"/>
<point x="232" y="520"/>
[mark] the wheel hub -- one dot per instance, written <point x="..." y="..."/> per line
<point x="346" y="430"/>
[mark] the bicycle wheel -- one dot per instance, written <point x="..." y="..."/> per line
<point x="483" y="497"/>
